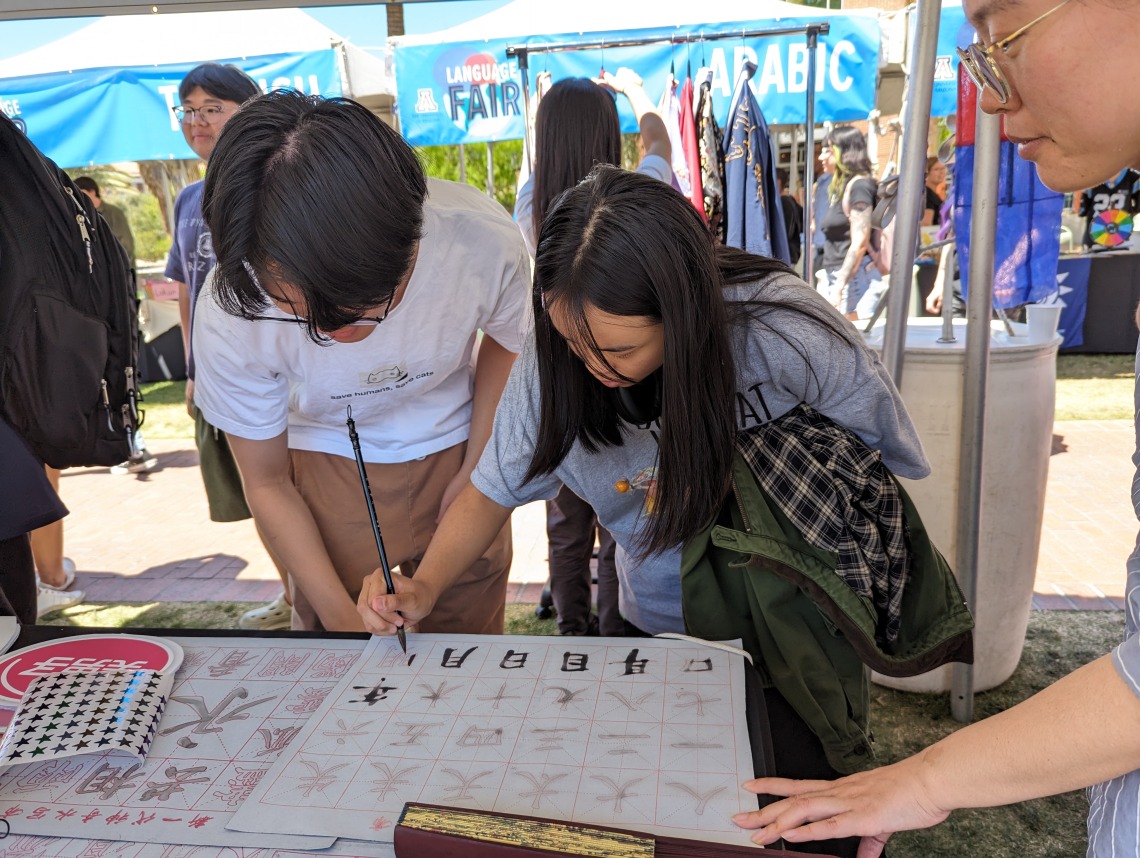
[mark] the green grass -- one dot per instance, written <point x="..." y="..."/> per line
<point x="165" y="405"/>
<point x="1057" y="642"/>
<point x="1089" y="387"/>
<point x="224" y="615"/>
<point x="1094" y="387"/>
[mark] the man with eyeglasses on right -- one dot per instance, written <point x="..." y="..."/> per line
<point x="209" y="96"/>
<point x="1032" y="62"/>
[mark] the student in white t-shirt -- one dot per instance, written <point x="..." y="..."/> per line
<point x="345" y="278"/>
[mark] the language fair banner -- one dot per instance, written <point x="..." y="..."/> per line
<point x="100" y="116"/>
<point x="472" y="92"/>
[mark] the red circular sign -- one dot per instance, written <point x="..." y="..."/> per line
<point x="87" y="653"/>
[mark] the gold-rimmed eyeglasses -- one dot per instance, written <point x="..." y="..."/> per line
<point x="984" y="70"/>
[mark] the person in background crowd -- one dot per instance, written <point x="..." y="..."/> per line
<point x="793" y="216"/>
<point x="116" y="218"/>
<point x="345" y="279"/>
<point x="935" y="192"/>
<point x="846" y="225"/>
<point x="577" y="127"/>
<point x="1031" y="62"/>
<point x="821" y="202"/>
<point x="209" y="97"/>
<point x="140" y="460"/>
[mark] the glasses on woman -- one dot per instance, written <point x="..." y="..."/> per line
<point x="984" y="70"/>
<point x="211" y="114"/>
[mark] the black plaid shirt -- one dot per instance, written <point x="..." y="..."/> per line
<point x="839" y="494"/>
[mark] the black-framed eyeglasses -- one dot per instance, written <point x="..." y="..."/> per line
<point x="362" y="322"/>
<point x="296" y="319"/>
<point x="984" y="70"/>
<point x="211" y="114"/>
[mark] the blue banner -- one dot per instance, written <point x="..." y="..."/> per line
<point x="472" y="92"/>
<point x="100" y="116"/>
<point x="1073" y="285"/>
<point x="953" y="33"/>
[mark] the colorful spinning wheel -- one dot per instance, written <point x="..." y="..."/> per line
<point x="1111" y="228"/>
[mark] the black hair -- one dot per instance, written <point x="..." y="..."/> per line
<point x="86" y="183"/>
<point x="318" y="194"/>
<point x="576" y="128"/>
<point x="224" y="82"/>
<point x="851" y="160"/>
<point x="629" y="245"/>
<point x="784" y="177"/>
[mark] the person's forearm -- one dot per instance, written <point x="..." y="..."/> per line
<point x="860" y="240"/>
<point x="654" y="134"/>
<point x="1082" y="730"/>
<point x="467" y="530"/>
<point x="288" y="528"/>
<point x="492" y="367"/>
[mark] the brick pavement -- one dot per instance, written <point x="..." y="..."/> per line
<point x="149" y="538"/>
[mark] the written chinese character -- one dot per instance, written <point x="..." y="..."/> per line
<point x="513" y="660"/>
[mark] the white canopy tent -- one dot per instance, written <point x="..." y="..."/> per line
<point x="139" y="40"/>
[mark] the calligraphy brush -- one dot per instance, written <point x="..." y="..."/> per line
<point x="355" y="439"/>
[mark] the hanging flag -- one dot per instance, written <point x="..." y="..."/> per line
<point x="1028" y="236"/>
<point x="1073" y="293"/>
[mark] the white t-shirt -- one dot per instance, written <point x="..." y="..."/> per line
<point x="651" y="165"/>
<point x="410" y="382"/>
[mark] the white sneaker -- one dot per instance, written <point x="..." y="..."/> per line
<point x="278" y="614"/>
<point x="53" y="600"/>
<point x="139" y="463"/>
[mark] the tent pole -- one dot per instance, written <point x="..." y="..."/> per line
<point x="809" y="157"/>
<point x="911" y="183"/>
<point x="524" y="68"/>
<point x="979" y="309"/>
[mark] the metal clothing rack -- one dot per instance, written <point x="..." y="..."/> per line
<point x="812" y="33"/>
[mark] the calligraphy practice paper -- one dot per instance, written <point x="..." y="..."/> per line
<point x="235" y="704"/>
<point x="27" y="846"/>
<point x="80" y="713"/>
<point x="647" y="734"/>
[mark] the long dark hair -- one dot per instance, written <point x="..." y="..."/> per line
<point x="851" y="158"/>
<point x="576" y="127"/>
<point x="630" y="245"/>
<point x="317" y="193"/>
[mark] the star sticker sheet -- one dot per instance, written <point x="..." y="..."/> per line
<point x="78" y="713"/>
<point x="646" y="734"/>
<point x="235" y="705"/>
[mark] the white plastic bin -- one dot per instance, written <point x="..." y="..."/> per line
<point x="1018" y="441"/>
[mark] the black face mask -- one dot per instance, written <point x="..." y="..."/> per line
<point x="641" y="403"/>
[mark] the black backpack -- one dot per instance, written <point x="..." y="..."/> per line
<point x="68" y="323"/>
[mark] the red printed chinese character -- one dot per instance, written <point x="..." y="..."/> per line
<point x="199" y="821"/>
<point x="117" y="817"/>
<point x="143" y="818"/>
<point x="92" y="814"/>
<point x="39" y="813"/>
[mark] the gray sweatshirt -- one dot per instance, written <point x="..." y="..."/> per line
<point x="841" y="378"/>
